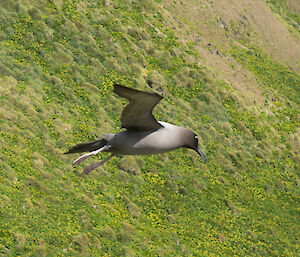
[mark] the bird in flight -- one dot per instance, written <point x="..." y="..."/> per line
<point x="143" y="134"/>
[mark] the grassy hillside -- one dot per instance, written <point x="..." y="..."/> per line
<point x="224" y="73"/>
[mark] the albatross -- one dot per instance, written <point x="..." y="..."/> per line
<point x="143" y="134"/>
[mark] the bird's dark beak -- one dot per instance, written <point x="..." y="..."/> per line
<point x="200" y="153"/>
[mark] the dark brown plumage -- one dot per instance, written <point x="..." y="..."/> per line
<point x="137" y="115"/>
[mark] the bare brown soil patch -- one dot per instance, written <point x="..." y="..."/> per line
<point x="294" y="6"/>
<point x="225" y="22"/>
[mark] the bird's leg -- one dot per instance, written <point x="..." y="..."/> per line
<point x="88" y="169"/>
<point x="85" y="156"/>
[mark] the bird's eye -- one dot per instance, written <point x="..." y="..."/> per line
<point x="196" y="137"/>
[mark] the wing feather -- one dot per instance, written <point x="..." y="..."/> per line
<point x="137" y="115"/>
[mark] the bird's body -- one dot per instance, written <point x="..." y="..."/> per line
<point x="143" y="134"/>
<point x="129" y="142"/>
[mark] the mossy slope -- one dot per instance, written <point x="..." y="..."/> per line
<point x="59" y="60"/>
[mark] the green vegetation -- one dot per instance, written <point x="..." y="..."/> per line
<point x="269" y="73"/>
<point x="58" y="62"/>
<point x="288" y="9"/>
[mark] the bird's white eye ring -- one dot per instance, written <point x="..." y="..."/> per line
<point x="196" y="136"/>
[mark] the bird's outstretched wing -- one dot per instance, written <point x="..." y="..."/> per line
<point x="137" y="115"/>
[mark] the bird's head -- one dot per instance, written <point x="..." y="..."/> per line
<point x="191" y="142"/>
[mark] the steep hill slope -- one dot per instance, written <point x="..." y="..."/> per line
<point x="229" y="70"/>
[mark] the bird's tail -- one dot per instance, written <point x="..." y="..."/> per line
<point x="87" y="147"/>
